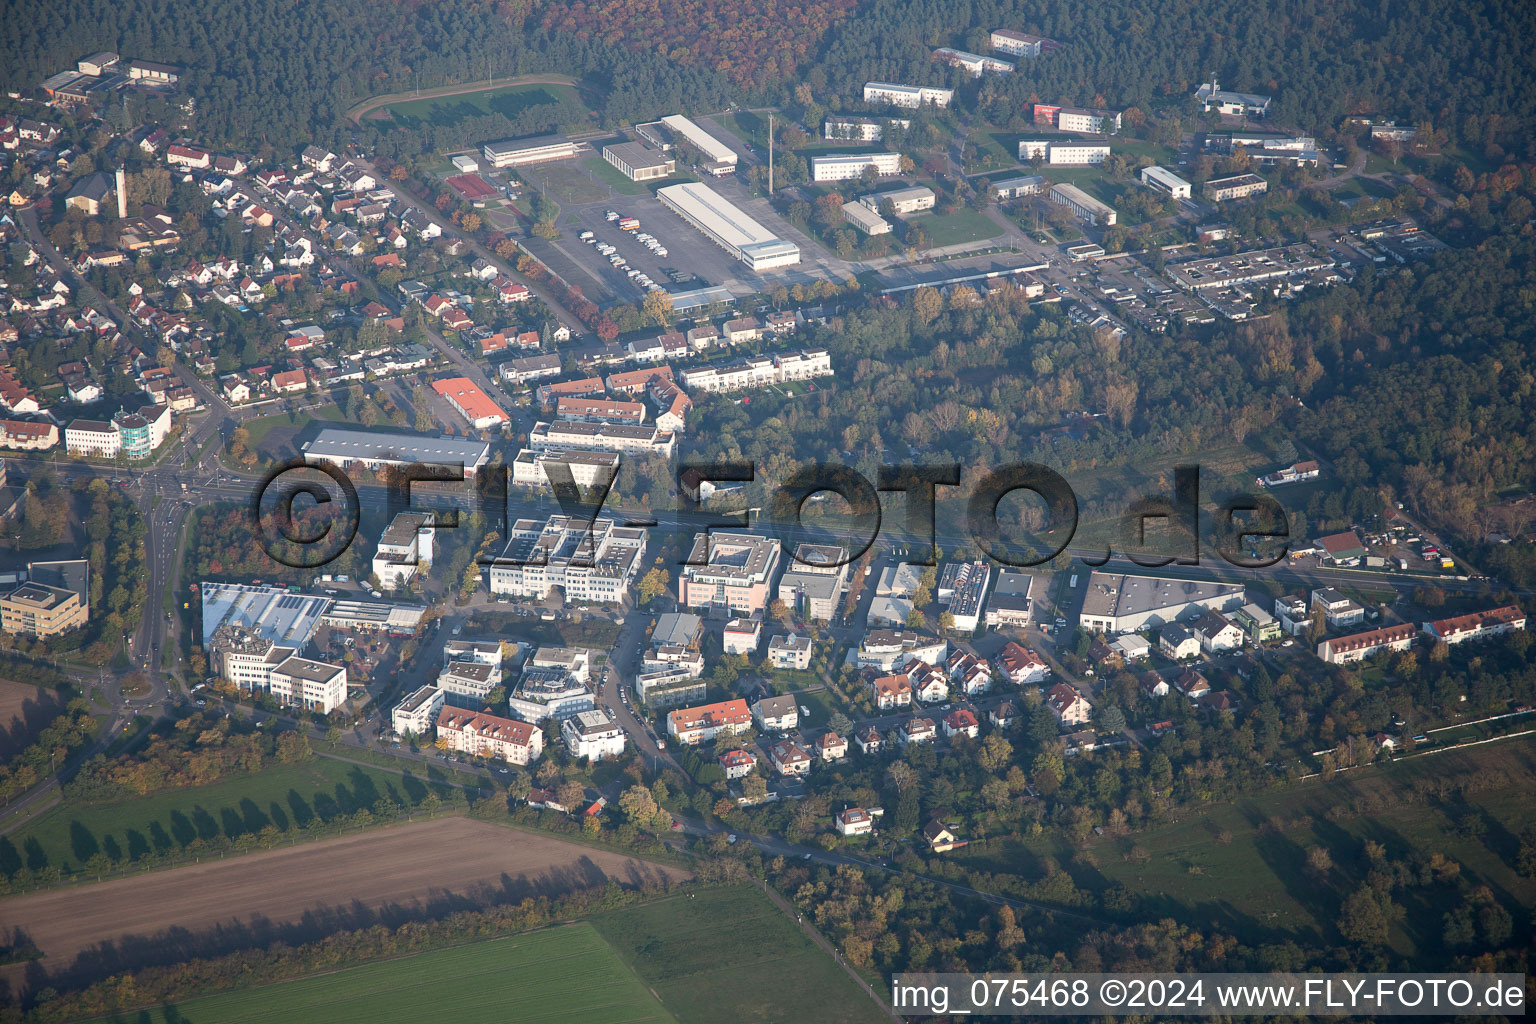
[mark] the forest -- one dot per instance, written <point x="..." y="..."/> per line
<point x="281" y="74"/>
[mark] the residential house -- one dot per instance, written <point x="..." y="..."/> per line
<point x="789" y="758"/>
<point x="918" y="730"/>
<point x="776" y="714"/>
<point x="1069" y="706"/>
<point x="893" y="691"/>
<point x="961" y="722"/>
<point x="854" y="821"/>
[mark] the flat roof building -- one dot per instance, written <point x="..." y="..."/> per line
<point x="38" y="609"/>
<point x="417" y="714"/>
<point x="589" y="561"/>
<point x="1238" y="186"/>
<point x="1165" y="180"/>
<point x="713" y="150"/>
<point x="729" y="572"/>
<point x="372" y="450"/>
<point x="1120" y="603"/>
<point x="639" y="162"/>
<point x="973" y="63"/>
<point x="1014" y="188"/>
<point x="723" y="223"/>
<point x="865" y="219"/>
<point x="516" y="152"/>
<point x="903" y="200"/>
<point x="532" y="468"/>
<point x="906" y="95"/>
<point x="843" y="166"/>
<point x="1084" y="205"/>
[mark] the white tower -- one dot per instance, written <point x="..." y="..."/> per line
<point x="122" y="195"/>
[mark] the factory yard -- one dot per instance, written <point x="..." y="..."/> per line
<point x="403" y="870"/>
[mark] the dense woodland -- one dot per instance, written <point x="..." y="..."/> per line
<point x="267" y="72"/>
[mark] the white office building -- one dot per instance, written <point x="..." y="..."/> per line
<point x="417" y="714"/>
<point x="595" y="565"/>
<point x="404" y="546"/>
<point x="517" y="152"/>
<point x="843" y="166"/>
<point x="587" y="468"/>
<point x="1083" y="205"/>
<point x="1164" y="180"/>
<point x="912" y="96"/>
<point x="593" y="735"/>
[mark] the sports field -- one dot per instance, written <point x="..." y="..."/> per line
<point x="566" y="974"/>
<point x="510" y="101"/>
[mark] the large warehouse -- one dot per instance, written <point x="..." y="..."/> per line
<point x="371" y="450"/>
<point x="842" y="166"/>
<point x="728" y="227"/>
<point x="1122" y="603"/>
<point x="639" y="162"/>
<point x="516" y="152"/>
<point x="719" y="158"/>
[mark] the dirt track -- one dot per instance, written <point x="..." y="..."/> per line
<point x="399" y="868"/>
<point x="368" y="106"/>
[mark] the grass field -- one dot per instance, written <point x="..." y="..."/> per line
<point x="958" y="227"/>
<point x="262" y="426"/>
<point x="509" y="101"/>
<point x="731" y="955"/>
<point x="288" y="795"/>
<point x="611" y="176"/>
<point x="1256" y="883"/>
<point x="566" y="974"/>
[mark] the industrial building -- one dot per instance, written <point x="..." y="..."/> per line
<point x="729" y="227"/>
<point x="842" y="166"/>
<point x="466" y="398"/>
<point x="372" y="450"/>
<point x="719" y="159"/>
<point x="590" y="561"/>
<point x="1084" y="205"/>
<point x="1117" y="603"/>
<point x="1165" y="180"/>
<point x="906" y="95"/>
<point x="639" y="162"/>
<point x="1245" y="268"/>
<point x="1238" y="186"/>
<point x="517" y="152"/>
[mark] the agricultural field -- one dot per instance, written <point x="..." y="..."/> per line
<point x="166" y="823"/>
<point x="731" y="955"/>
<point x="1243" y="866"/>
<point x="304" y="891"/>
<point x="567" y="973"/>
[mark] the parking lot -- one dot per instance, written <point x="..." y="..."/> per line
<point x="689" y="252"/>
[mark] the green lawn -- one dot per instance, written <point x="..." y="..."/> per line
<point x="731" y="955"/>
<point x="567" y="974"/>
<point x="261" y="426"/>
<point x="510" y="101"/>
<point x="611" y="176"/>
<point x="285" y="796"/>
<point x="1256" y="884"/>
<point x="960" y="226"/>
